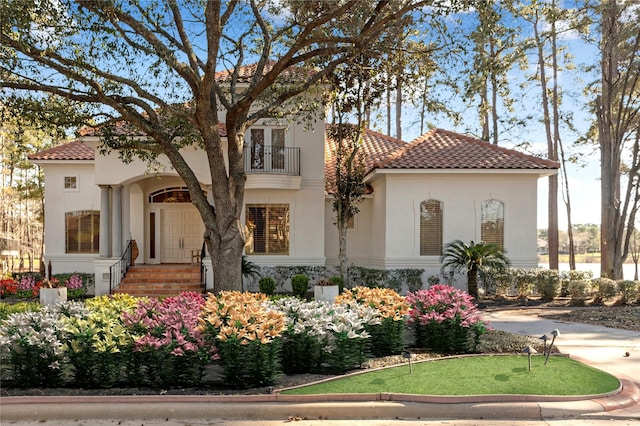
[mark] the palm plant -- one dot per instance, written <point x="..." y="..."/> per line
<point x="473" y="259"/>
<point x="249" y="269"/>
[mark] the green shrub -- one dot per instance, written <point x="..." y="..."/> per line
<point x="498" y="282"/>
<point x="7" y="309"/>
<point x="548" y="284"/>
<point x="628" y="292"/>
<point x="299" y="284"/>
<point x="569" y="276"/>
<point x="414" y="283"/>
<point x="339" y="281"/>
<point x="579" y="291"/>
<point x="605" y="289"/>
<point x="267" y="285"/>
<point x="525" y="280"/>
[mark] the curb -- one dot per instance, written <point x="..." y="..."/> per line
<point x="279" y="407"/>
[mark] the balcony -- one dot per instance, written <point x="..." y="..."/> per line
<point x="277" y="160"/>
<point x="272" y="167"/>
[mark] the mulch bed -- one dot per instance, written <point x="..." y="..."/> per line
<point x="610" y="315"/>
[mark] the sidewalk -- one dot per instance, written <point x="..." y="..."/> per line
<point x="600" y="347"/>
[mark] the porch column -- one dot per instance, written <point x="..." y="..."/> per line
<point x="105" y="221"/>
<point x="116" y="237"/>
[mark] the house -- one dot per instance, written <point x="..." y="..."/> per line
<point x="439" y="187"/>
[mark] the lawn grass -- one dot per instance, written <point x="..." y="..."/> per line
<point x="476" y="375"/>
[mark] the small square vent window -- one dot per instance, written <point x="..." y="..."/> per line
<point x="70" y="182"/>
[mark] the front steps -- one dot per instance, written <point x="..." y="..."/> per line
<point x="160" y="280"/>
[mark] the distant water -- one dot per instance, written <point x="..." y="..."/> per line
<point x="628" y="269"/>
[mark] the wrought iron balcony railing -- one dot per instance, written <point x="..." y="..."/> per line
<point x="267" y="159"/>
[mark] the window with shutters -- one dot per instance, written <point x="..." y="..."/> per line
<point x="492" y="222"/>
<point x="431" y="228"/>
<point x="82" y="231"/>
<point x="268" y="229"/>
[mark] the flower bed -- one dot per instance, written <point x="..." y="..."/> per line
<point x="387" y="336"/>
<point x="445" y="320"/>
<point x="28" y="285"/>
<point x="125" y="341"/>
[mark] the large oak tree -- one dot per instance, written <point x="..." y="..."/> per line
<point x="168" y="67"/>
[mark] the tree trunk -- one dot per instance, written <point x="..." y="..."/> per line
<point x="494" y="94"/>
<point x="557" y="144"/>
<point x="609" y="149"/>
<point x="399" y="106"/>
<point x="484" y="110"/>
<point x="472" y="281"/>
<point x="552" y="154"/>
<point x="388" y="93"/>
<point x="226" y="260"/>
<point x="342" y="251"/>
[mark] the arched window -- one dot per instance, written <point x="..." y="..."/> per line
<point x="492" y="222"/>
<point x="82" y="231"/>
<point x="431" y="228"/>
<point x="171" y="195"/>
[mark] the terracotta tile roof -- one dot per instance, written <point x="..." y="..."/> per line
<point x="436" y="149"/>
<point x="442" y="149"/>
<point x="75" y="150"/>
<point x="375" y="147"/>
<point x="122" y="128"/>
<point x="246" y="72"/>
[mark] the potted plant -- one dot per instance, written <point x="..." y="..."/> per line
<point x="51" y="292"/>
<point x="325" y="290"/>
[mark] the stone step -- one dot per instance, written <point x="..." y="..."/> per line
<point x="156" y="281"/>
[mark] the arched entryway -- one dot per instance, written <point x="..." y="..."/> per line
<point x="175" y="226"/>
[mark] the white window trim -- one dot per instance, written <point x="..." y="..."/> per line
<point x="64" y="182"/>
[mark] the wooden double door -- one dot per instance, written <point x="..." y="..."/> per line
<point x="181" y="233"/>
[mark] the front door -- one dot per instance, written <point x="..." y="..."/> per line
<point x="182" y="231"/>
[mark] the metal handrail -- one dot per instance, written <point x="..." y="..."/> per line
<point x="118" y="270"/>
<point x="203" y="268"/>
<point x="266" y="159"/>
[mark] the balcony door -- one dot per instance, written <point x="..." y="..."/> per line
<point x="268" y="150"/>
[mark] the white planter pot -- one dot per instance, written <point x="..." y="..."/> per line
<point x="325" y="292"/>
<point x="51" y="296"/>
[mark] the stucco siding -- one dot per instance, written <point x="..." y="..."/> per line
<point x="59" y="201"/>
<point x="306" y="224"/>
<point x="359" y="245"/>
<point x="462" y="196"/>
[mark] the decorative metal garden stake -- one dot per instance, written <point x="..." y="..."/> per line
<point x="407" y="355"/>
<point x="555" y="333"/>
<point x="544" y="339"/>
<point x="529" y="350"/>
